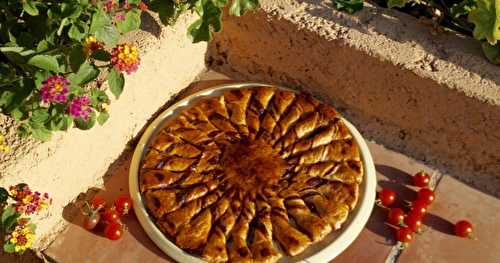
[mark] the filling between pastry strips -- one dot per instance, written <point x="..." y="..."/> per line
<point x="252" y="175"/>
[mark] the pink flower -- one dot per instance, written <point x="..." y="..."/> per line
<point x="120" y="16"/>
<point x="29" y="202"/>
<point x="80" y="107"/>
<point x="54" y="89"/>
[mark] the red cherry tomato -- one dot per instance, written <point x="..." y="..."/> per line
<point x="413" y="222"/>
<point x="426" y="195"/>
<point x="90" y="222"/>
<point x="123" y="205"/>
<point x="463" y="228"/>
<point x="395" y="216"/>
<point x="98" y="203"/>
<point x="421" y="179"/>
<point x="404" y="235"/>
<point x="113" y="231"/>
<point x="419" y="208"/>
<point x="110" y="216"/>
<point x="387" y="197"/>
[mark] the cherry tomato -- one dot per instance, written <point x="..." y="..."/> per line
<point x="123" y="204"/>
<point x="387" y="197"/>
<point x="110" y="216"/>
<point x="90" y="222"/>
<point x="426" y="195"/>
<point x="404" y="235"/>
<point x="421" y="179"/>
<point x="113" y="231"/>
<point x="395" y="216"/>
<point x="413" y="222"/>
<point x="98" y="203"/>
<point x="463" y="228"/>
<point x="419" y="208"/>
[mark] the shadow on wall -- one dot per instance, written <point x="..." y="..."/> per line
<point x="394" y="28"/>
<point x="433" y="123"/>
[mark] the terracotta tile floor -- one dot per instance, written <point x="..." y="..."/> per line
<point x="454" y="201"/>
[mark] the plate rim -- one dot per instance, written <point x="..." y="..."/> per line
<point x="333" y="249"/>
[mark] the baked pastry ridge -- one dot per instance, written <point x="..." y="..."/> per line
<point x="251" y="175"/>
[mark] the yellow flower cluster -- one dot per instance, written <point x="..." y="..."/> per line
<point x="3" y="147"/>
<point x="91" y="45"/>
<point x="22" y="238"/>
<point x="125" y="57"/>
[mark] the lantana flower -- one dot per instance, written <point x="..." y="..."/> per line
<point x="22" y="237"/>
<point x="119" y="16"/>
<point x="125" y="58"/>
<point x="54" y="89"/>
<point x="110" y="5"/>
<point x="143" y="6"/>
<point x="80" y="107"/>
<point x="3" y="147"/>
<point x="91" y="44"/>
<point x="29" y="202"/>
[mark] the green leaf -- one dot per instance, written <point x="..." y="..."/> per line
<point x="116" y="82"/>
<point x="462" y="8"/>
<point x="492" y="52"/>
<point x="4" y="196"/>
<point x="77" y="31"/>
<point x="42" y="46"/>
<point x="134" y="2"/>
<point x="101" y="55"/>
<point x="40" y="116"/>
<point x="32" y="227"/>
<point x="9" y="247"/>
<point x="102" y="118"/>
<point x="86" y="73"/>
<point x="9" y="219"/>
<point x="397" y="3"/>
<point x="30" y="7"/>
<point x="85" y="125"/>
<point x="45" y="62"/>
<point x="40" y="76"/>
<point x="201" y="29"/>
<point x="7" y="212"/>
<point x="167" y="11"/>
<point x="107" y="34"/>
<point x="348" y="6"/>
<point x="240" y="7"/>
<point x="41" y="133"/>
<point x="486" y="18"/>
<point x="131" y="22"/>
<point x="99" y="20"/>
<point x="23" y="130"/>
<point x="76" y="57"/>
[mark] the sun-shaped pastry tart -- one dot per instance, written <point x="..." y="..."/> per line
<point x="251" y="175"/>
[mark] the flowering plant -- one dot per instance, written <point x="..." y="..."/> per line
<point x="17" y="204"/>
<point x="476" y="18"/>
<point x="56" y="54"/>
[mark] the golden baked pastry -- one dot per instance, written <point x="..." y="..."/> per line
<point x="251" y="175"/>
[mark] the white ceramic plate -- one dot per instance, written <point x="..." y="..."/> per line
<point x="322" y="251"/>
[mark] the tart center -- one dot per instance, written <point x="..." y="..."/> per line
<point x="252" y="164"/>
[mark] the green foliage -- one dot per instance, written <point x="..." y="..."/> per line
<point x="209" y="11"/>
<point x="486" y="18"/>
<point x="479" y="18"/>
<point x="43" y="39"/>
<point x="397" y="3"/>
<point x="348" y="6"/>
<point x="492" y="52"/>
